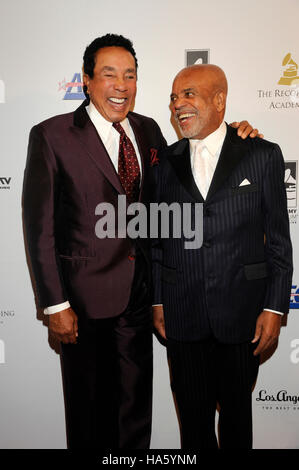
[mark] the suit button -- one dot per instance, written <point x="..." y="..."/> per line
<point x="206" y="244"/>
<point x="131" y="257"/>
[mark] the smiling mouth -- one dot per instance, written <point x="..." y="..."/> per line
<point x="182" y="118"/>
<point x="117" y="101"/>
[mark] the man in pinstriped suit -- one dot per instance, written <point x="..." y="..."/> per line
<point x="220" y="305"/>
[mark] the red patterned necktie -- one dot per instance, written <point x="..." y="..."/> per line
<point x="128" y="166"/>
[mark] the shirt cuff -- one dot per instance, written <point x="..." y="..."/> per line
<point x="56" y="308"/>
<point x="274" y="311"/>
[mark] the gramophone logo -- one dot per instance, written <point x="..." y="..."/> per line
<point x="290" y="180"/>
<point x="73" y="89"/>
<point x="286" y="96"/>
<point x="2" y="92"/>
<point x="197" y="56"/>
<point x="290" y="73"/>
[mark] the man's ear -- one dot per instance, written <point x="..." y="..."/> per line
<point x="86" y="79"/>
<point x="219" y="100"/>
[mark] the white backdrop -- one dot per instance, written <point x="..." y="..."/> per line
<point x="41" y="48"/>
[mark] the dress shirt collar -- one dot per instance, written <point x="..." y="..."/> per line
<point x="213" y="141"/>
<point x="102" y="125"/>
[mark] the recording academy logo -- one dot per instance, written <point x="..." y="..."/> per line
<point x="280" y="400"/>
<point x="73" y="89"/>
<point x="290" y="180"/>
<point x="287" y="95"/>
<point x="2" y="352"/>
<point x="197" y="56"/>
<point x="290" y="73"/>
<point x="5" y="182"/>
<point x="2" y="92"/>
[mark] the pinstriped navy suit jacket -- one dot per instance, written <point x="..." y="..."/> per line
<point x="245" y="262"/>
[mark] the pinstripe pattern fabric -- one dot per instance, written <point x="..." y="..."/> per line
<point x="222" y="287"/>
<point x="206" y="373"/>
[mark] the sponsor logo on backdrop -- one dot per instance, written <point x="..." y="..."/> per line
<point x="6" y="315"/>
<point x="287" y="95"/>
<point x="73" y="89"/>
<point x="290" y="72"/>
<point x="294" y="357"/>
<point x="290" y="180"/>
<point x="197" y="56"/>
<point x="5" y="182"/>
<point x="2" y="92"/>
<point x="277" y="400"/>
<point x="2" y="352"/>
<point x="294" y="299"/>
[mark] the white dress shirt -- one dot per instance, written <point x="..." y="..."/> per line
<point x="110" y="138"/>
<point x="210" y="149"/>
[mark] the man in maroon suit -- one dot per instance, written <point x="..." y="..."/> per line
<point x="96" y="291"/>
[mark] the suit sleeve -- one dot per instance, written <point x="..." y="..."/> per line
<point x="40" y="195"/>
<point x="156" y="248"/>
<point x="277" y="231"/>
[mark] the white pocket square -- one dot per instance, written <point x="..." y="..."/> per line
<point x="244" y="182"/>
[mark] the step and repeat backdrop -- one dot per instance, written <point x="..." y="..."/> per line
<point x="41" y="48"/>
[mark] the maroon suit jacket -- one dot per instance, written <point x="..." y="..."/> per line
<point x="68" y="173"/>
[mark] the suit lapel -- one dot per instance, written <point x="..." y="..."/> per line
<point x="180" y="161"/>
<point x="94" y="147"/>
<point x="230" y="156"/>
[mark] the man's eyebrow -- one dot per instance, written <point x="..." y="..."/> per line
<point x="188" y="89"/>
<point x="185" y="90"/>
<point x="109" y="68"/>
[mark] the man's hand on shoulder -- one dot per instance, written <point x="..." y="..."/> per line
<point x="245" y="129"/>
<point x="63" y="326"/>
<point x="158" y="319"/>
<point x="266" y="331"/>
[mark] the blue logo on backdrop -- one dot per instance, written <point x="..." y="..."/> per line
<point x="73" y="89"/>
<point x="294" y="300"/>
